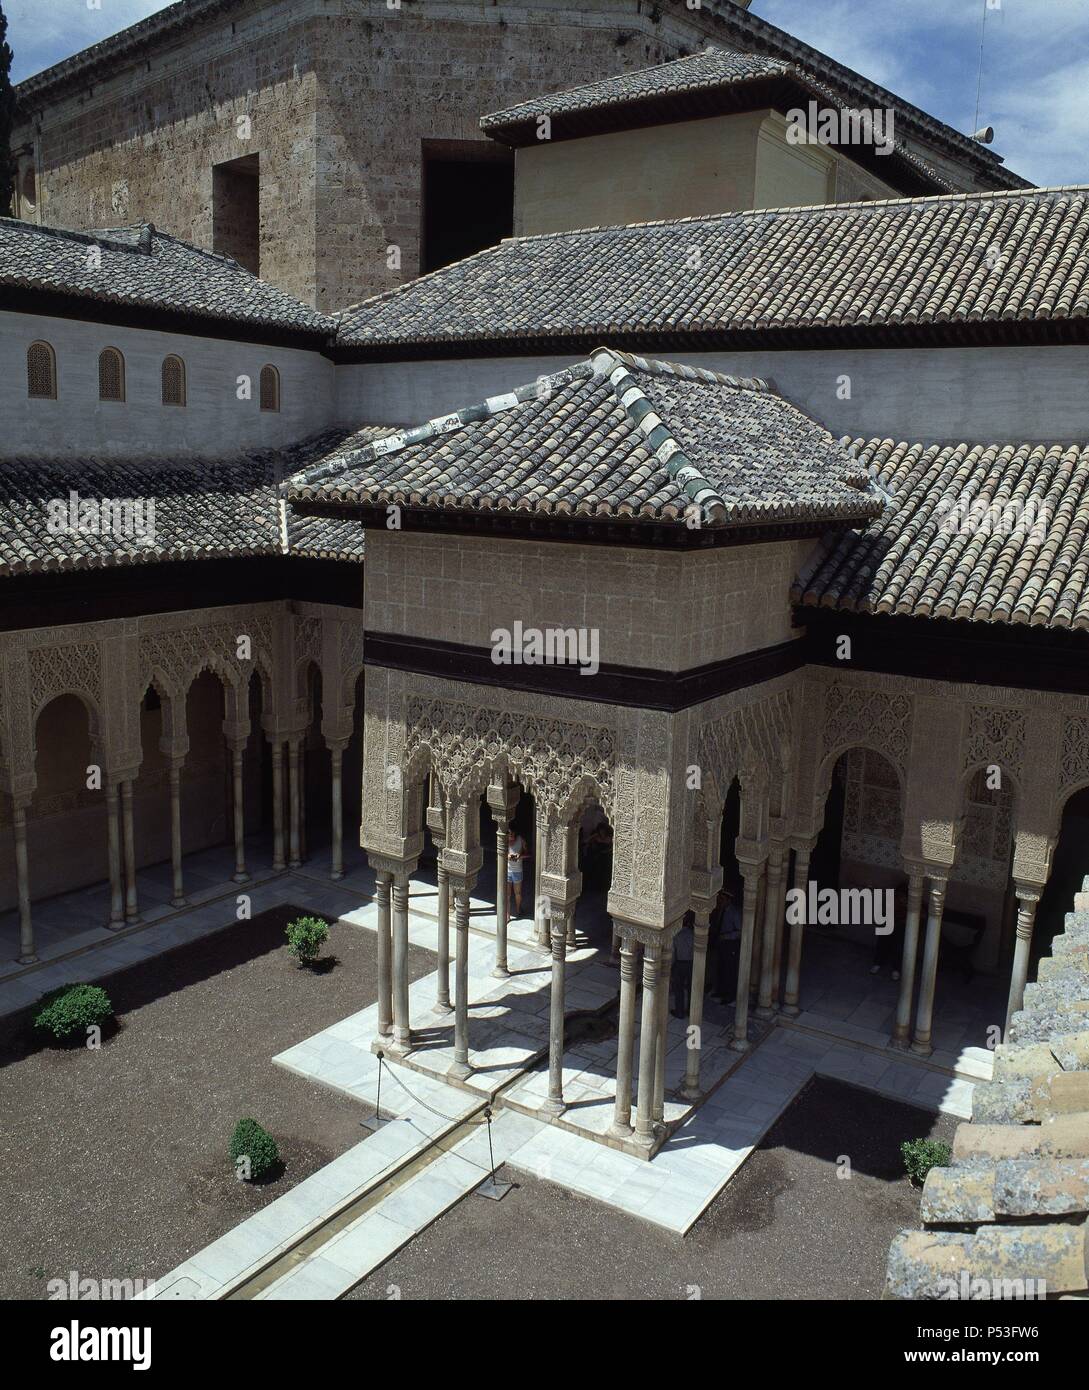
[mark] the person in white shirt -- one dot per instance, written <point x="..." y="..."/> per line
<point x="516" y="856"/>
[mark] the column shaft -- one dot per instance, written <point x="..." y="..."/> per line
<point x="694" y="1040"/>
<point x="113" y="850"/>
<point x="901" y="1029"/>
<point x="132" y="910"/>
<point x="625" y="1052"/>
<point x="178" y="899"/>
<point x="385" y="968"/>
<point x="27" y="954"/>
<point x="1026" y="916"/>
<point x="502" y="891"/>
<point x="402" y="1029"/>
<point x="336" y="763"/>
<point x="751" y="874"/>
<point x="278" y="861"/>
<point x="644" y="1121"/>
<point x="461" y="1065"/>
<point x="925" y="1016"/>
<point x="294" y="851"/>
<point x="554" y="1105"/>
<point x="661" y="1036"/>
<point x="240" y="874"/>
<point x="792" y="988"/>
<point x="767" y="955"/>
<point x="442" y="996"/>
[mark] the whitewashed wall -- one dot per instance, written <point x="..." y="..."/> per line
<point x="929" y="394"/>
<point x="213" y="421"/>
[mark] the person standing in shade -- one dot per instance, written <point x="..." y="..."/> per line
<point x="516" y="857"/>
<point x="681" y="970"/>
<point x="728" y="955"/>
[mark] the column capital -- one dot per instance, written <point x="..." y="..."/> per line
<point x="636" y="934"/>
<point x="751" y="855"/>
<point x="388" y="864"/>
<point x="503" y="799"/>
<point x="803" y="844"/>
<point x="1027" y="892"/>
<point x="705" y="883"/>
<point x="460" y="882"/>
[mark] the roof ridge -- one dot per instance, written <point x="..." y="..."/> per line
<point x="20" y="224"/>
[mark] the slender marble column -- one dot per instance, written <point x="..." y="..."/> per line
<point x="460" y="1066"/>
<point x="777" y="982"/>
<point x="442" y="999"/>
<point x="132" y="910"/>
<point x="690" y="1090"/>
<point x="302" y="800"/>
<point x="767" y="956"/>
<point x="925" y="1016"/>
<point x="661" y="1036"/>
<point x="402" y="1029"/>
<point x="644" y="1119"/>
<point x="178" y="899"/>
<point x="901" y="1029"/>
<point x="336" y="763"/>
<point x="27" y="955"/>
<point x="541" y="927"/>
<point x="554" y="1105"/>
<point x="383" y="881"/>
<point x="751" y="874"/>
<point x="278" y="861"/>
<point x="240" y="875"/>
<point x="629" y="960"/>
<point x="113" y="851"/>
<point x="294" y="849"/>
<point x="792" y="988"/>
<point x="1026" y="916"/>
<point x="502" y="892"/>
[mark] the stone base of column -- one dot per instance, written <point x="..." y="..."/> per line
<point x="645" y="1141"/>
<point x="921" y="1049"/>
<point x="399" y="1047"/>
<point x="739" y="1044"/>
<point x="443" y="1007"/>
<point x="500" y="973"/>
<point x="789" y="1010"/>
<point x="553" y="1107"/>
<point x="337" y="876"/>
<point x="294" y="863"/>
<point x="27" y="960"/>
<point x="179" y="902"/>
<point x="240" y="878"/>
<point x="130" y="921"/>
<point x="901" y="1044"/>
<point x="692" y="1094"/>
<point x="459" y="1070"/>
<point x="116" y="926"/>
<point x="763" y="1011"/>
<point x="278" y="866"/>
<point x="616" y="1131"/>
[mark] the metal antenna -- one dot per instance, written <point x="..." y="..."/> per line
<point x="979" y="78"/>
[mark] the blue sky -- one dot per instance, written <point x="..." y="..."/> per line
<point x="1035" y="74"/>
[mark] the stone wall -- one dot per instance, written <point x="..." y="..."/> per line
<point x="335" y="97"/>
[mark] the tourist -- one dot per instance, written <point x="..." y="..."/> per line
<point x="681" y="970"/>
<point x="516" y="856"/>
<point x="728" y="955"/>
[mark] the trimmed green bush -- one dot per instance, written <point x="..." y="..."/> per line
<point x="71" y="1009"/>
<point x="305" y="938"/>
<point x="920" y="1155"/>
<point x="252" y="1143"/>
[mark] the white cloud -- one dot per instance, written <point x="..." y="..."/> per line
<point x="43" y="32"/>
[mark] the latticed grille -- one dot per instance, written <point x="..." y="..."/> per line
<point x="41" y="372"/>
<point x="173" y="381"/>
<point x="111" y="375"/>
<point x="270" y="388"/>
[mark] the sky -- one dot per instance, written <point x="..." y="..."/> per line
<point x="1035" y="86"/>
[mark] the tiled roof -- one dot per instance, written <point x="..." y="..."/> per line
<point x="203" y="509"/>
<point x="616" y="437"/>
<point x="141" y="267"/>
<point x="1014" y="1204"/>
<point x="963" y="262"/>
<point x="704" y="84"/>
<point x="993" y="533"/>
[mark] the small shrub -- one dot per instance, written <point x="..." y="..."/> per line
<point x="253" y="1150"/>
<point x="72" y="1009"/>
<point x="305" y="938"/>
<point x="920" y="1155"/>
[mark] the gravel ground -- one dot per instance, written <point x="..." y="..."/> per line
<point x="115" y="1161"/>
<point x="785" y="1227"/>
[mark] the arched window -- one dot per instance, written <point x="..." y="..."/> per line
<point x="111" y="375"/>
<point x="173" y="381"/>
<point x="270" y="388"/>
<point x="41" y="372"/>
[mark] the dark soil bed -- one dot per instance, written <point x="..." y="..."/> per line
<point x="785" y="1227"/>
<point x="115" y="1161"/>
